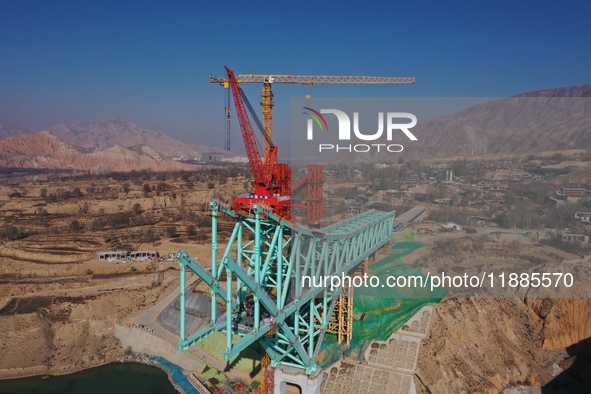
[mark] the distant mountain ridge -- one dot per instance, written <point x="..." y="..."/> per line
<point x="45" y="151"/>
<point x="569" y="91"/>
<point x="545" y="120"/>
<point x="8" y="130"/>
<point x="109" y="145"/>
<point x="111" y="132"/>
<point x="108" y="133"/>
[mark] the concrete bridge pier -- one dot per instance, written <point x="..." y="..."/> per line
<point x="308" y="384"/>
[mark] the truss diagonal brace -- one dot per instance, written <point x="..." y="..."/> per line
<point x="203" y="273"/>
<point x="252" y="285"/>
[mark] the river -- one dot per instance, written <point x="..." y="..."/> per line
<point x="116" y="378"/>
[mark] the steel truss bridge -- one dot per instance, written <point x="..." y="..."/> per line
<point x="259" y="279"/>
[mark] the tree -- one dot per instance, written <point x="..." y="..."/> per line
<point x="203" y="221"/>
<point x="171" y="231"/>
<point x="117" y="220"/>
<point x="201" y="235"/>
<point x="77" y="193"/>
<point x="147" y="189"/>
<point x="11" y="232"/>
<point x="191" y="229"/>
<point x="163" y="186"/>
<point x="137" y="209"/>
<point x="126" y="187"/>
<point x="186" y="177"/>
<point x="149" y="235"/>
<point x="75" y="226"/>
<point x="43" y="193"/>
<point x="162" y="176"/>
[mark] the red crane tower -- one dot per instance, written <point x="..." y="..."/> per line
<point x="272" y="180"/>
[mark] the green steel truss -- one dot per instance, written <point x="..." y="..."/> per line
<point x="264" y="297"/>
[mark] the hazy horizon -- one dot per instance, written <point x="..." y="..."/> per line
<point x="149" y="64"/>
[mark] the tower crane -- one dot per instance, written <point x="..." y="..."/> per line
<point x="267" y="94"/>
<point x="272" y="180"/>
<point x="266" y="268"/>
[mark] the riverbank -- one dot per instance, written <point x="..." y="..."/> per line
<point x="175" y="374"/>
<point x="56" y="370"/>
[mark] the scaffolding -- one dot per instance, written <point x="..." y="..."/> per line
<point x="341" y="321"/>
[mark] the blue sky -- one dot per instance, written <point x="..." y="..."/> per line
<point x="149" y="62"/>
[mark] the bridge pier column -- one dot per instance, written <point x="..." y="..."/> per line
<point x="309" y="384"/>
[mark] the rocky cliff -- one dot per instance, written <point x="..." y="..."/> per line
<point x="486" y="344"/>
<point x="563" y="322"/>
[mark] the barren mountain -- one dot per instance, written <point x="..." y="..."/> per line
<point x="541" y="121"/>
<point x="43" y="150"/>
<point x="8" y="130"/>
<point x="547" y="120"/>
<point x="112" y="132"/>
<point x="570" y="91"/>
<point x="489" y="344"/>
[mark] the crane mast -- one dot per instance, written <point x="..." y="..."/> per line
<point x="228" y="111"/>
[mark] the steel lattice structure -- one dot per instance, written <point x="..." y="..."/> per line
<point x="264" y="262"/>
<point x="317" y="79"/>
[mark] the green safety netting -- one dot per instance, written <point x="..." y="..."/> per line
<point x="379" y="311"/>
<point x="406" y="235"/>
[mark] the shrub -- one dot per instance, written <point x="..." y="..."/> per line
<point x="137" y="209"/>
<point x="171" y="231"/>
<point x="75" y="226"/>
<point x="163" y="186"/>
<point x="191" y="229"/>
